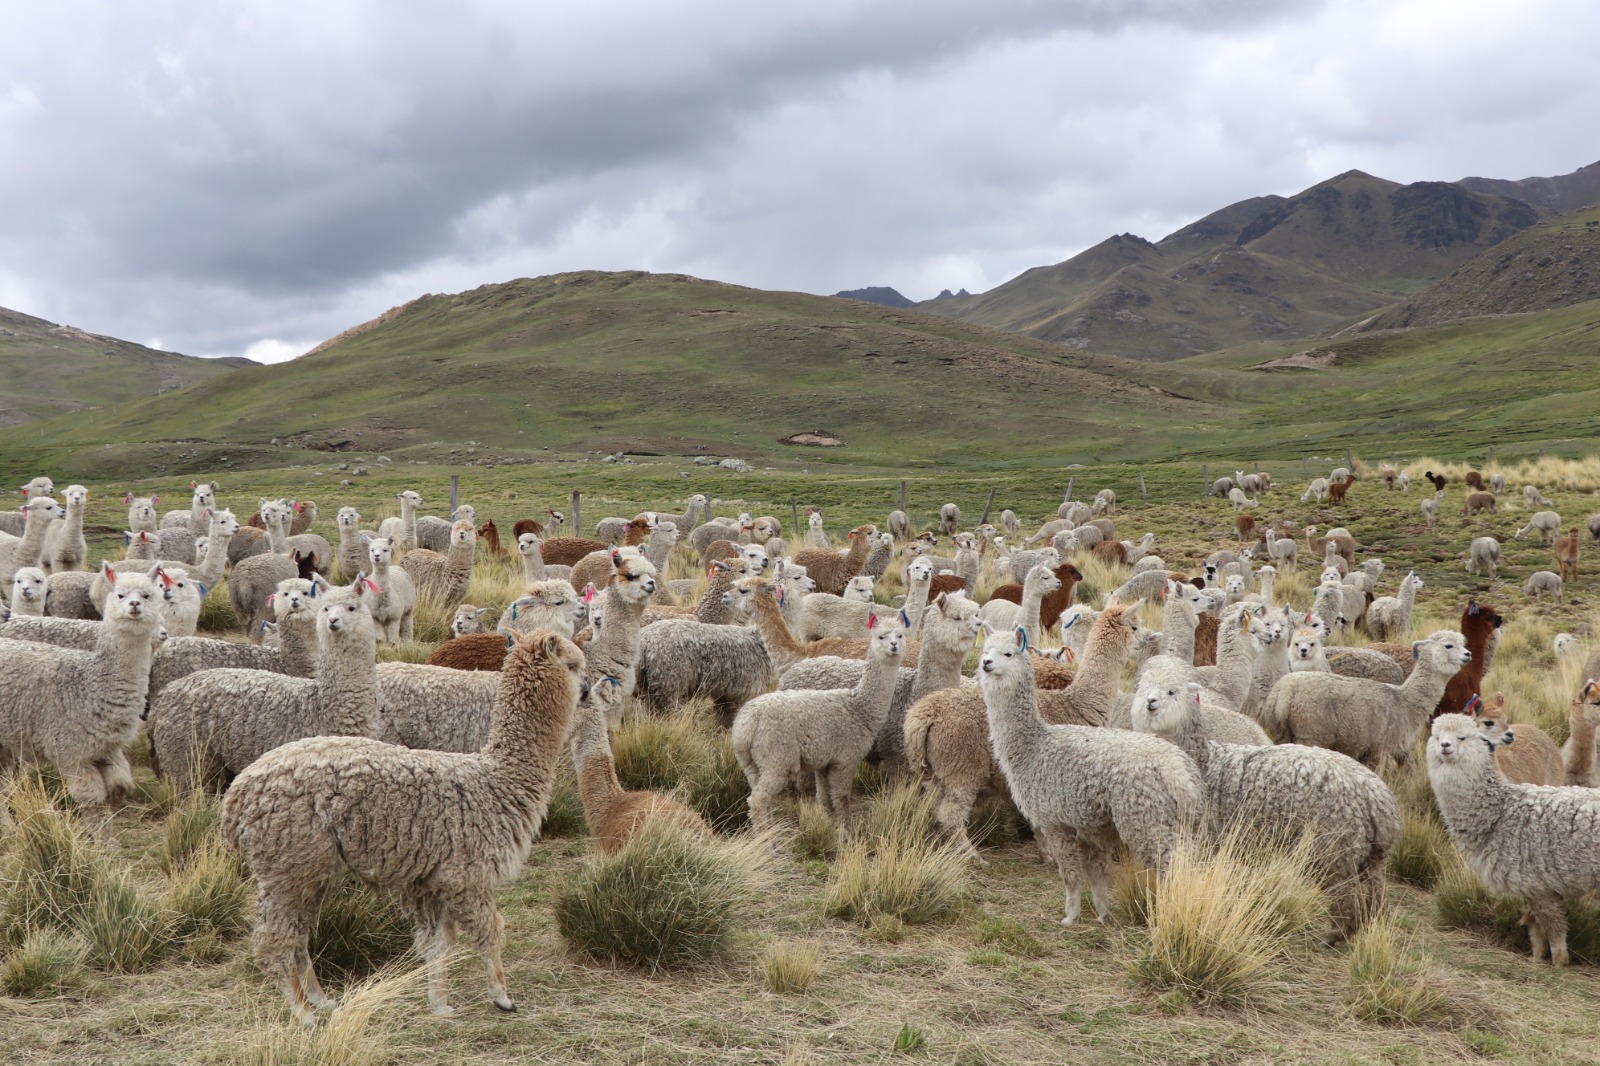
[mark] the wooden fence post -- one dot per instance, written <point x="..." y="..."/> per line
<point x="1205" y="480"/>
<point x="1144" y="493"/>
<point x="986" y="508"/>
<point x="1068" y="497"/>
<point x="577" y="513"/>
<point x="1350" y="461"/>
<point x="903" y="497"/>
<point x="794" y="513"/>
<point x="455" y="495"/>
<point x="1303" y="465"/>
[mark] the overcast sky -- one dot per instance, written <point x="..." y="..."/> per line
<point x="250" y="178"/>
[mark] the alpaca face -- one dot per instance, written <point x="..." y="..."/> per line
<point x="28" y="586"/>
<point x="348" y="519"/>
<point x="380" y="550"/>
<point x="1455" y="740"/>
<point x="636" y="577"/>
<point x="1163" y="707"/>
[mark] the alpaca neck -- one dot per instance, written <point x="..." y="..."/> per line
<point x="1178" y="623"/>
<point x="1266" y="588"/>
<point x="533" y="567"/>
<point x="1580" y="754"/>
<point x="278" y="535"/>
<point x="781" y="644"/>
<point x="967" y="569"/>
<point x="297" y="644"/>
<point x="1236" y="665"/>
<point x="209" y="572"/>
<point x="347" y="680"/>
<point x="659" y="548"/>
<point x="528" y="726"/>
<point x="856" y="555"/>
<point x="1100" y="670"/>
<point x="1028" y="619"/>
<point x="598" y="788"/>
<point x="31" y="548"/>
<point x="1471" y="799"/>
<point x="874" y="692"/>
<point x="119" y="673"/>
<point x="916" y="604"/>
<point x="711" y="610"/>
<point x="939" y="660"/>
<point x="1016" y="730"/>
<point x="459" y="557"/>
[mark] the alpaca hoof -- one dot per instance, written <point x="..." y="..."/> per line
<point x="442" y="1010"/>
<point x="1067" y="921"/>
<point x="505" y="1004"/>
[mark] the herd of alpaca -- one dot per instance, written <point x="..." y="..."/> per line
<point x="432" y="779"/>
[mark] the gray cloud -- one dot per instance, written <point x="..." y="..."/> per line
<point x="223" y="177"/>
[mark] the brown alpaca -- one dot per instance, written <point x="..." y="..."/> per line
<point x="637" y="533"/>
<point x="1475" y="481"/>
<point x="757" y="597"/>
<point x="1478" y="501"/>
<point x="1478" y="624"/>
<point x="490" y="537"/>
<point x="1205" y="639"/>
<point x="527" y="525"/>
<point x="1052" y="670"/>
<point x="1566" y="550"/>
<point x="945" y="583"/>
<point x="1112" y="552"/>
<point x="833" y="570"/>
<point x="614" y="815"/>
<point x="720" y="549"/>
<point x="1245" y="526"/>
<point x="471" y="651"/>
<point x="1337" y="490"/>
<point x="1054" y="603"/>
<point x="1530" y="757"/>
<point x="566" y="551"/>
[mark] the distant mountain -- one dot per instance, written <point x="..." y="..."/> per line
<point x="876" y="294"/>
<point x="48" y="369"/>
<point x="1554" y="196"/>
<point x="619" y="361"/>
<point x="1265" y="267"/>
<point x="1553" y="264"/>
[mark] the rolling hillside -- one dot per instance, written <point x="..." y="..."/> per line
<point x="47" y="369"/>
<point x="1553" y="264"/>
<point x="1263" y="268"/>
<point x="655" y="364"/>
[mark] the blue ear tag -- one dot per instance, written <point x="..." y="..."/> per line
<point x="202" y="589"/>
<point x="313" y="594"/>
<point x="513" y="612"/>
<point x="510" y="642"/>
<point x="1024" y="633"/>
<point x="1072" y="623"/>
<point x="905" y="619"/>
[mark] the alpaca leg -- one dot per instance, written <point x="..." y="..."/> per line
<point x="117" y="775"/>
<point x="1551" y="917"/>
<point x="87" y="788"/>
<point x="279" y="940"/>
<point x="1062" y="846"/>
<point x="407" y="626"/>
<point x="839" y="779"/>
<point x="951" y="811"/>
<point x="433" y="936"/>
<point x="762" y="797"/>
<point x="474" y="911"/>
<point x="1099" y="869"/>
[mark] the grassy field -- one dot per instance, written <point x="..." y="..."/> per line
<point x="988" y="977"/>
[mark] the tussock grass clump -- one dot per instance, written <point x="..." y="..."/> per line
<point x="216" y="611"/>
<point x="1219" y="917"/>
<point x="893" y="867"/>
<point x="564" y="817"/>
<point x="654" y="754"/>
<point x="358" y="931"/>
<point x="1462" y="901"/>
<point x="51" y="869"/>
<point x="208" y="897"/>
<point x="817" y="836"/>
<point x="664" y="901"/>
<point x="192" y="825"/>
<point x="718" y="790"/>
<point x="1387" y="981"/>
<point x="47" y="963"/>
<point x="1420" y="855"/>
<point x="125" y="926"/>
<point x="791" y="967"/>
<point x="407" y="651"/>
<point x="346" y="1037"/>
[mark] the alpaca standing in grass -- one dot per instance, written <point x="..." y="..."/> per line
<point x="1084" y="789"/>
<point x="395" y="609"/>
<point x="1389" y="617"/>
<point x="402" y="531"/>
<point x="80" y="710"/>
<point x="445" y="578"/>
<point x="613" y="814"/>
<point x="1530" y="841"/>
<point x="441" y="829"/>
<point x="294" y="606"/>
<point x="827" y="732"/>
<point x="64" y="546"/>
<point x="27" y="550"/>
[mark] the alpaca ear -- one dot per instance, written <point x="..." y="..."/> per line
<point x="552" y="645"/>
<point x="154" y="500"/>
<point x="616" y="558"/>
<point x="511" y="642"/>
<point x="126" y="498"/>
<point x="1021" y="636"/>
<point x="1499" y="700"/>
<point x="905" y="620"/>
<point x="1474" y="707"/>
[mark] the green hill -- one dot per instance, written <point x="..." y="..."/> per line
<point x="654" y="364"/>
<point x="47" y="369"/>
<point x="1262" y="268"/>
<point x="1553" y="264"/>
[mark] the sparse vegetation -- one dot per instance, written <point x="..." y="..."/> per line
<point x="792" y="967"/>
